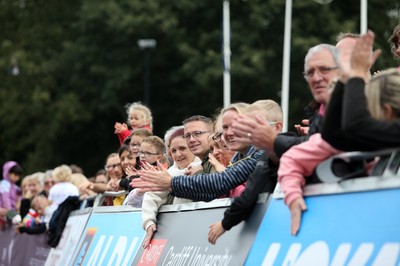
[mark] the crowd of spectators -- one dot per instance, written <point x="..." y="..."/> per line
<point x="239" y="153"/>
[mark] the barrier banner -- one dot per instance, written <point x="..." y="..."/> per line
<point x="22" y="249"/>
<point x="182" y="239"/>
<point x="109" y="238"/>
<point x="342" y="229"/>
<point x="62" y="254"/>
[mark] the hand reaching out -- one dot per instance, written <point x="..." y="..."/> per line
<point x="296" y="210"/>
<point x="216" y="230"/>
<point x="149" y="235"/>
<point x="302" y="130"/>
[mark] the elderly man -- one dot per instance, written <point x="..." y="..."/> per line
<point x="320" y="68"/>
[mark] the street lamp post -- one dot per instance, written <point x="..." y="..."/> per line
<point x="146" y="45"/>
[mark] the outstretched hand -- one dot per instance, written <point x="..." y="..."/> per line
<point x="296" y="210"/>
<point x="153" y="179"/>
<point x="149" y="235"/>
<point x="216" y="230"/>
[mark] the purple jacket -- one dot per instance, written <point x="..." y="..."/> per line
<point x="9" y="192"/>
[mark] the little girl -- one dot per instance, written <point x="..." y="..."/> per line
<point x="139" y="116"/>
<point x="9" y="192"/>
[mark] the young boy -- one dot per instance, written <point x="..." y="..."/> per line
<point x="151" y="150"/>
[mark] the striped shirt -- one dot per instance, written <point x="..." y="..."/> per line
<point x="206" y="187"/>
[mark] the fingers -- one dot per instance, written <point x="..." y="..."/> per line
<point x="296" y="209"/>
<point x="375" y="56"/>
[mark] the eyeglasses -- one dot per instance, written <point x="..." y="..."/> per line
<point x="111" y="166"/>
<point x="47" y="183"/>
<point x="195" y="134"/>
<point x="323" y="70"/>
<point x="145" y="154"/>
<point x="217" y="137"/>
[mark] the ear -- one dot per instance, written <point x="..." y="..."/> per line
<point x="278" y="126"/>
<point x="388" y="113"/>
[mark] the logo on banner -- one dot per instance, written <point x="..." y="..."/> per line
<point x="318" y="253"/>
<point x="91" y="232"/>
<point x="152" y="254"/>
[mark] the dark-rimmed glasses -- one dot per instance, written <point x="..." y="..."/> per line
<point x="195" y="134"/>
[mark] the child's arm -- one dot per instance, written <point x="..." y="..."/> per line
<point x="295" y="164"/>
<point x="152" y="201"/>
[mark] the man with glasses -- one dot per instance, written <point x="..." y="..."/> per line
<point x="320" y="69"/>
<point x="197" y="128"/>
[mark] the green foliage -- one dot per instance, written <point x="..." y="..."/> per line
<point x="80" y="64"/>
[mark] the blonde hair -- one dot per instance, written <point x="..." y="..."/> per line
<point x="78" y="178"/>
<point x="382" y="89"/>
<point x="138" y="106"/>
<point x="239" y="107"/>
<point x="157" y="142"/>
<point x="62" y="173"/>
<point x="268" y="108"/>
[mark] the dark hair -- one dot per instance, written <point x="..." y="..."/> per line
<point x="122" y="149"/>
<point x="16" y="169"/>
<point x="201" y="118"/>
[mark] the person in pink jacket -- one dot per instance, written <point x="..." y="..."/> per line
<point x="295" y="164"/>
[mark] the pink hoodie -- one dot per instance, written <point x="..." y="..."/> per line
<point x="300" y="161"/>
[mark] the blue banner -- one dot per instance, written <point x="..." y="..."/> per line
<point x="110" y="239"/>
<point x="343" y="229"/>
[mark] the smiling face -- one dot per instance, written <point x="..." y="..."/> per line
<point x="197" y="145"/>
<point x="148" y="153"/>
<point x="319" y="82"/>
<point x="135" y="144"/>
<point x="127" y="159"/>
<point x="113" y="167"/>
<point x="180" y="152"/>
<point x="227" y="120"/>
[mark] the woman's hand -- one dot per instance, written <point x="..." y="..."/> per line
<point x="219" y="167"/>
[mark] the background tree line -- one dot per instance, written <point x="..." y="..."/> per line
<point x="78" y="64"/>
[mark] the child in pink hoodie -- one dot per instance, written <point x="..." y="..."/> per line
<point x="295" y="164"/>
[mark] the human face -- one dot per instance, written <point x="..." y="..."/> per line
<point x="34" y="187"/>
<point x="113" y="167"/>
<point x="48" y="183"/>
<point x="41" y="203"/>
<point x="127" y="160"/>
<point x="101" y="179"/>
<point x="135" y="144"/>
<point x="233" y="145"/>
<point x="148" y="153"/>
<point x="319" y="82"/>
<point x="136" y="119"/>
<point x="13" y="177"/>
<point x="197" y="145"/>
<point x="220" y="151"/>
<point x="180" y="152"/>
